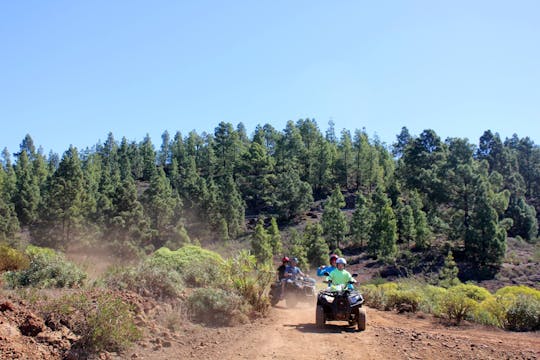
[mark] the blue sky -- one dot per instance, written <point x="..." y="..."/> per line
<point x="73" y="71"/>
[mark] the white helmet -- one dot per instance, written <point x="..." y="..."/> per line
<point x="341" y="261"/>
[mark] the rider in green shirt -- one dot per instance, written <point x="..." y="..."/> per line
<point x="340" y="276"/>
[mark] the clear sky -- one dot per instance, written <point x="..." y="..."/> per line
<point x="73" y="71"/>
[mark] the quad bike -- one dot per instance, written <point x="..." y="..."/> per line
<point x="342" y="303"/>
<point x="300" y="289"/>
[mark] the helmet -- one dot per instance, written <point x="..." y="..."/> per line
<point x="285" y="259"/>
<point x="295" y="260"/>
<point x="333" y="257"/>
<point x="341" y="261"/>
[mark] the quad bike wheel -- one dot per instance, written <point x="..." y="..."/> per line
<point x="274" y="295"/>
<point x="319" y="317"/>
<point x="274" y="300"/>
<point x="361" y="319"/>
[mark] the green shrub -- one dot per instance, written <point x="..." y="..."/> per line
<point x="47" y="269"/>
<point x="103" y="321"/>
<point x="157" y="283"/>
<point x="389" y="286"/>
<point x="509" y="293"/>
<point x="403" y="296"/>
<point x="251" y="281"/>
<point x="491" y="311"/>
<point x="456" y="305"/>
<point x="12" y="259"/>
<point x="524" y="314"/>
<point x="197" y="266"/>
<point x="215" y="307"/>
<point x="472" y="291"/>
<point x="373" y="296"/>
<point x="432" y="299"/>
<point x="403" y="300"/>
<point x="512" y="307"/>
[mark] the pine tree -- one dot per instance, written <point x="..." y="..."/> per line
<point x="485" y="239"/>
<point x="164" y="155"/>
<point x="421" y="228"/>
<point x="421" y="167"/>
<point x="231" y="206"/>
<point x="275" y="237"/>
<point x="223" y="229"/>
<point x="406" y="224"/>
<point x="298" y="249"/>
<point x="109" y="153"/>
<point x="128" y="228"/>
<point x="225" y="146"/>
<point x="124" y="160"/>
<point x="28" y="195"/>
<point x="344" y="161"/>
<point x="10" y="179"/>
<point x="261" y="243"/>
<point x="448" y="276"/>
<point x="361" y="156"/>
<point x="148" y="158"/>
<point x="334" y="221"/>
<point x="362" y="221"/>
<point x="403" y="140"/>
<point x="292" y="196"/>
<point x="317" y="248"/>
<point x="61" y="216"/>
<point x="178" y="151"/>
<point x="255" y="178"/>
<point x="160" y="207"/>
<point x="382" y="243"/>
<point x="291" y="150"/>
<point x="9" y="224"/>
<point x="524" y="219"/>
<point x="322" y="178"/>
<point x="94" y="210"/>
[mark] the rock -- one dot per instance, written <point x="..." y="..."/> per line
<point x="71" y="355"/>
<point x="7" y="305"/>
<point x="32" y="326"/>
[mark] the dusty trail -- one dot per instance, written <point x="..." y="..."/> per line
<point x="291" y="334"/>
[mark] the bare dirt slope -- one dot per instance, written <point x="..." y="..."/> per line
<point x="291" y="334"/>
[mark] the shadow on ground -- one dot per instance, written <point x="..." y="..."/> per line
<point x="328" y="328"/>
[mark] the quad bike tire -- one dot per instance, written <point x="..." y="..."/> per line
<point x="361" y="319"/>
<point x="274" y="295"/>
<point x="319" y="317"/>
<point x="274" y="299"/>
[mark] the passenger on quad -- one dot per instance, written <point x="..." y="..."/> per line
<point x="340" y="276"/>
<point x="328" y="268"/>
<point x="282" y="267"/>
<point x="291" y="272"/>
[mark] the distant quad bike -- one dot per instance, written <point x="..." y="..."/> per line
<point x="300" y="289"/>
<point x="341" y="303"/>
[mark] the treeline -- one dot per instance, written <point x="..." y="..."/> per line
<point x="136" y="197"/>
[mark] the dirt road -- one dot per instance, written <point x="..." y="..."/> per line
<point x="291" y="334"/>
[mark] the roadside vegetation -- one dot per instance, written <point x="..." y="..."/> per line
<point x="214" y="291"/>
<point x="515" y="308"/>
